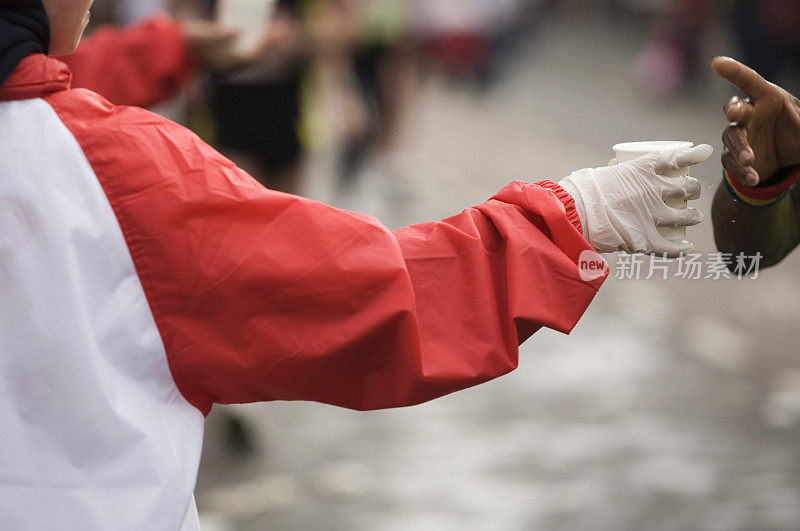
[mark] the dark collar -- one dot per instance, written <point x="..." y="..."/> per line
<point x="24" y="29"/>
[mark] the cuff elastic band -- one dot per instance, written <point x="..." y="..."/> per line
<point x="569" y="203"/>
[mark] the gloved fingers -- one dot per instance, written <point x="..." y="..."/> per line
<point x="672" y="248"/>
<point x="656" y="244"/>
<point x="669" y="161"/>
<point x="694" y="155"/>
<point x="687" y="188"/>
<point x="678" y="217"/>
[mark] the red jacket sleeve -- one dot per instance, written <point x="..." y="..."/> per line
<point x="261" y="295"/>
<point x="142" y="65"/>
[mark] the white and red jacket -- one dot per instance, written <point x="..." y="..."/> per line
<point x="144" y="277"/>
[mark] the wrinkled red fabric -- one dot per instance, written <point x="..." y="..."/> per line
<point x="260" y="295"/>
<point x="36" y="76"/>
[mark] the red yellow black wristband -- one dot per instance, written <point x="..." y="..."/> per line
<point x="762" y="196"/>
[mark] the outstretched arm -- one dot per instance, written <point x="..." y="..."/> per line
<point x="260" y="295"/>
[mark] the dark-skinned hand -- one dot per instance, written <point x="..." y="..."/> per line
<point x="764" y="132"/>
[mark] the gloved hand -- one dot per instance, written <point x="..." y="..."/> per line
<point x="621" y="206"/>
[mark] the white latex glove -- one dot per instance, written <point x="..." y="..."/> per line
<point x="621" y="206"/>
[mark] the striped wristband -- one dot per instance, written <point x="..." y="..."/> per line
<point x="762" y="196"/>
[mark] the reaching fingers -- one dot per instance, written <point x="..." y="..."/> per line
<point x="745" y="175"/>
<point x="735" y="140"/>
<point x="746" y="79"/>
<point x="669" y="161"/>
<point x="738" y="156"/>
<point x="738" y="111"/>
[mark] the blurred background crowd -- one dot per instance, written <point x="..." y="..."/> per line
<point x="675" y="405"/>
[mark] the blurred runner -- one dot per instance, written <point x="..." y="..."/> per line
<point x="383" y="64"/>
<point x="672" y="58"/>
<point x="256" y="110"/>
<point x="465" y="38"/>
<point x="765" y="34"/>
